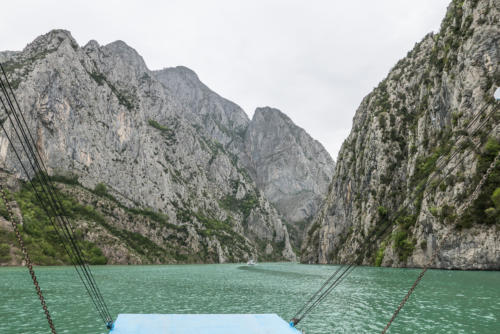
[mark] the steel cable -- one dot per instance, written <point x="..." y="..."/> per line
<point x="403" y="208"/>
<point x="52" y="199"/>
<point x="57" y="227"/>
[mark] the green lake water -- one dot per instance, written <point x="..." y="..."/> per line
<point x="444" y="302"/>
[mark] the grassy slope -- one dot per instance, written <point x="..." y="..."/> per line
<point x="96" y="211"/>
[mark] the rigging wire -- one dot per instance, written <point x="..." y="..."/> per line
<point x="61" y="235"/>
<point x="298" y="313"/>
<point x="37" y="175"/>
<point x="349" y="268"/>
<point x="50" y="201"/>
<point x="351" y="265"/>
<point x="40" y="172"/>
<point x="404" y="207"/>
<point x="438" y="248"/>
<point x="49" y="215"/>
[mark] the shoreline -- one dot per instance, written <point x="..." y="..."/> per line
<point x="245" y="264"/>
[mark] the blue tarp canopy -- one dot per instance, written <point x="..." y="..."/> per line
<point x="201" y="324"/>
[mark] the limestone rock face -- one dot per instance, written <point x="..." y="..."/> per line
<point x="221" y="119"/>
<point x="99" y="113"/>
<point x="290" y="168"/>
<point x="407" y="179"/>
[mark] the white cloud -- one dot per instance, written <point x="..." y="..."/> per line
<point x="314" y="60"/>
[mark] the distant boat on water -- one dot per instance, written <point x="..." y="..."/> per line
<point x="251" y="263"/>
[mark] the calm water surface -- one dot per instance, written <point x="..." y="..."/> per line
<point x="445" y="301"/>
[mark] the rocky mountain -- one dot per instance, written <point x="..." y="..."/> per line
<point x="290" y="168"/>
<point x="160" y="156"/>
<point x="417" y="173"/>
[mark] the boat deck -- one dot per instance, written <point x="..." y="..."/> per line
<point x="201" y="324"/>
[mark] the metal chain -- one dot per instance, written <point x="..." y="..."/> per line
<point x="27" y="258"/>
<point x="436" y="251"/>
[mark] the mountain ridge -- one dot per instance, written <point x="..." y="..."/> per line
<point x="101" y="117"/>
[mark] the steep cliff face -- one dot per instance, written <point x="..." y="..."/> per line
<point x="99" y="114"/>
<point x="407" y="179"/>
<point x="221" y="119"/>
<point x="290" y="168"/>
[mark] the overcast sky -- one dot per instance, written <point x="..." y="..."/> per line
<point x="314" y="60"/>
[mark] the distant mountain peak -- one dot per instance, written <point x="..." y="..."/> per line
<point x="51" y="41"/>
<point x="181" y="70"/>
<point x="270" y="113"/>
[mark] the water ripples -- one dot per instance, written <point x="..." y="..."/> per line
<point x="445" y="302"/>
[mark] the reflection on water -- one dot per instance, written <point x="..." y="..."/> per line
<point x="269" y="271"/>
<point x="445" y="301"/>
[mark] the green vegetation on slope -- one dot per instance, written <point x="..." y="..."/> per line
<point x="485" y="209"/>
<point x="43" y="242"/>
<point x="166" y="132"/>
<point x="243" y="205"/>
<point x="40" y="237"/>
<point x="97" y="211"/>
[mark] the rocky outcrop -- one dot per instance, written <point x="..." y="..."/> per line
<point x="221" y="119"/>
<point x="408" y="178"/>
